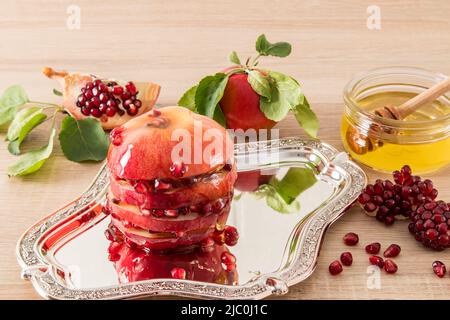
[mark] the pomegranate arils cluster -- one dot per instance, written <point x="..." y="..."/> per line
<point x="430" y="224"/>
<point x="98" y="98"/>
<point x="388" y="200"/>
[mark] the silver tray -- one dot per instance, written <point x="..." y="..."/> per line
<point x="66" y="259"/>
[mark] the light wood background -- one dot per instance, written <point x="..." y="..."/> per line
<point x="175" y="43"/>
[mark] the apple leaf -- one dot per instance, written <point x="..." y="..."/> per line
<point x="12" y="98"/>
<point x="260" y="83"/>
<point x="83" y="140"/>
<point x="307" y="118"/>
<point x="209" y="92"/>
<point x="278" y="49"/>
<point x="188" y="99"/>
<point x="234" y="58"/>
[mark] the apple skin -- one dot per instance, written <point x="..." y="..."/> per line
<point x="240" y="105"/>
<point x="249" y="181"/>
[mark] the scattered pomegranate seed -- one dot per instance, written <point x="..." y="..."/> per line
<point x="218" y="236"/>
<point x="373" y="248"/>
<point x="114" y="247"/>
<point x="178" y="169"/>
<point x="113" y="257"/>
<point x="171" y="213"/>
<point x="231" y="235"/>
<point x="392" y="251"/>
<point x="228" y="258"/>
<point x="178" y="273"/>
<point x="346" y="258"/>
<point x="351" y="239"/>
<point x="335" y="267"/>
<point x="439" y="268"/>
<point x="390" y="266"/>
<point x="376" y="261"/>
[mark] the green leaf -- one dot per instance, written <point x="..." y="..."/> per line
<point x="286" y="94"/>
<point x="234" y="58"/>
<point x="188" y="99"/>
<point x="33" y="160"/>
<point x="307" y="118"/>
<point x="14" y="96"/>
<point x="7" y="113"/>
<point x="57" y="93"/>
<point x="220" y="117"/>
<point x="209" y="92"/>
<point x="24" y="121"/>
<point x="276" y="202"/>
<point x="83" y="140"/>
<point x="281" y="195"/>
<point x="260" y="83"/>
<point x="278" y="49"/>
<point x="294" y="183"/>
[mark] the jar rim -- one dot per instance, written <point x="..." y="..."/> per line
<point x="357" y="79"/>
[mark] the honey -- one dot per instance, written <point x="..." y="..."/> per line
<point x="422" y="140"/>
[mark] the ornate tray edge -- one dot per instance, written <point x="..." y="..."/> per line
<point x="38" y="272"/>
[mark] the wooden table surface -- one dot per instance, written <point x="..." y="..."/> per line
<point x="175" y="43"/>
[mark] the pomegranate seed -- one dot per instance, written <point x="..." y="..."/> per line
<point x="137" y="103"/>
<point x="218" y="236"/>
<point x="346" y="258"/>
<point x="376" y="261"/>
<point x="102" y="108"/>
<point x="390" y="266"/>
<point x="110" y="111"/>
<point x="160" y="185"/>
<point x="132" y="110"/>
<point x="156" y="113"/>
<point x="335" y="267"/>
<point x="439" y="268"/>
<point x="103" y="97"/>
<point x="228" y="258"/>
<point x="159" y="213"/>
<point x="351" y="239"/>
<point x="178" y="169"/>
<point x="109" y="236"/>
<point x="373" y="248"/>
<point x="207" y="245"/>
<point x="125" y="96"/>
<point x="140" y="187"/>
<point x="86" y="111"/>
<point x="231" y="235"/>
<point x="364" y="198"/>
<point x="118" y="90"/>
<point x="171" y="213"/>
<point x="178" y="273"/>
<point x="114" y="257"/>
<point x="131" y="88"/>
<point x="116" y="136"/>
<point x="392" y="251"/>
<point x="96" y="113"/>
<point x="114" y="247"/>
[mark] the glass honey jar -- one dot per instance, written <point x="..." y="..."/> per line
<point x="421" y="140"/>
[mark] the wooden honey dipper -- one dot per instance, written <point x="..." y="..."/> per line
<point x="361" y="143"/>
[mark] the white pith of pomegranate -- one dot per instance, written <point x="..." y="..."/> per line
<point x="111" y="102"/>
